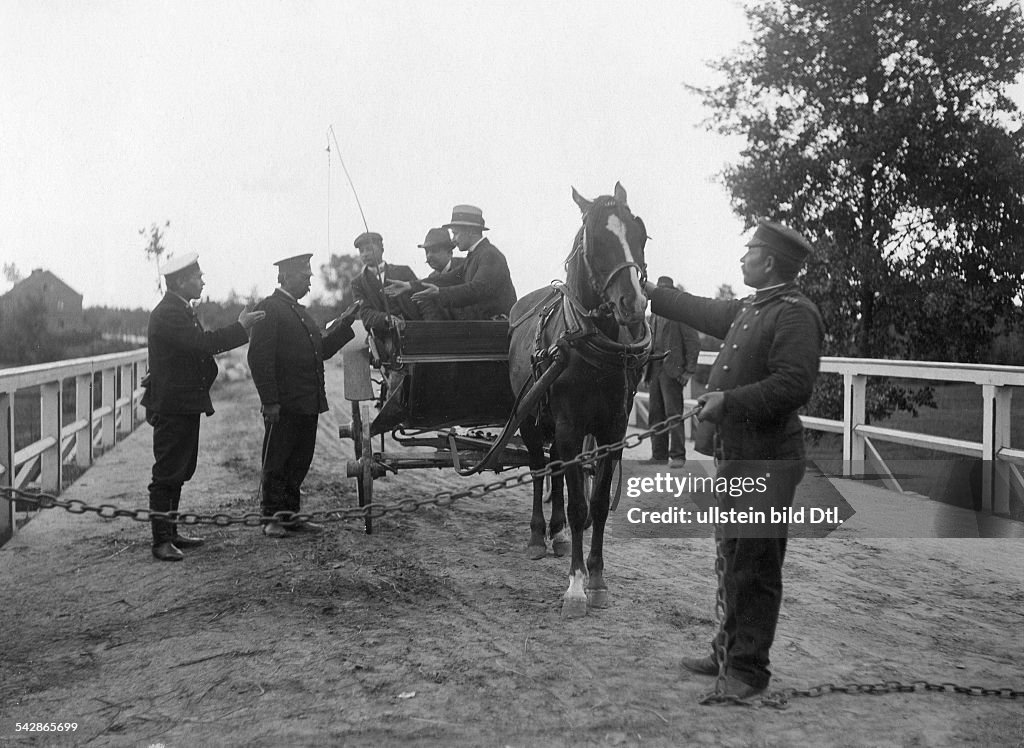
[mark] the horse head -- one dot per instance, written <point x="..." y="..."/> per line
<point x="610" y="257"/>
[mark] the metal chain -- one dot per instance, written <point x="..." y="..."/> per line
<point x="777" y="699"/>
<point x="369" y="511"/>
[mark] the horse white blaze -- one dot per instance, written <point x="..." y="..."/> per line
<point x="618" y="229"/>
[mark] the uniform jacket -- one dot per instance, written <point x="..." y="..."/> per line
<point x="181" y="365"/>
<point x="681" y="343"/>
<point x="766" y="368"/>
<point x="486" y="288"/>
<point x="286" y="356"/>
<point x="366" y="287"/>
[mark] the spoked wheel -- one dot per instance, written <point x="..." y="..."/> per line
<point x="364" y="455"/>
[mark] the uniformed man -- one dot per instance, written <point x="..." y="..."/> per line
<point x="181" y="372"/>
<point x="484" y="290"/>
<point x="763" y="375"/>
<point x="380" y="313"/>
<point x="286" y="357"/>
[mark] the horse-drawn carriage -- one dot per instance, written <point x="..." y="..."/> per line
<point x="561" y="372"/>
<point x="445" y="389"/>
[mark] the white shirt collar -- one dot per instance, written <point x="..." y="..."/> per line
<point x="475" y="244"/>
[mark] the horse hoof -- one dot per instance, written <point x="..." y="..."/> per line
<point x="574" y="608"/>
<point x="598" y="598"/>
<point x="561" y="547"/>
<point x="536" y="552"/>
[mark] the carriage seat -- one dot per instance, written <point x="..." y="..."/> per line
<point x="456" y="340"/>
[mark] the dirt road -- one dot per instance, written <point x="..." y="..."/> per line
<point x="437" y="630"/>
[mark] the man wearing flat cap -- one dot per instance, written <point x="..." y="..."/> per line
<point x="181" y="372"/>
<point x="484" y="290"/>
<point x="379" y="312"/>
<point x="764" y="373"/>
<point x="286" y="357"/>
<point x="673" y="361"/>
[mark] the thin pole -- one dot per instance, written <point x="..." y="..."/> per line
<point x="337" y="148"/>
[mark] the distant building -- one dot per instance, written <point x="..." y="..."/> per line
<point x="62" y="303"/>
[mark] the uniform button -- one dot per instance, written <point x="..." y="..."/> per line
<point x="725" y="368"/>
<point x="723" y="346"/>
<point x="745" y="326"/>
<point x="758" y="311"/>
<point x="734" y="346"/>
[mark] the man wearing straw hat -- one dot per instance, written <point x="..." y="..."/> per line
<point x="181" y="372"/>
<point x="485" y="290"/>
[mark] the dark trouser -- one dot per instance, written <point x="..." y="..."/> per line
<point x="175" y="453"/>
<point x="288" y="447"/>
<point x="753" y="570"/>
<point x="666" y="399"/>
<point x="431" y="310"/>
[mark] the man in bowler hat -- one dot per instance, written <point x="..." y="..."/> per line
<point x="437" y="246"/>
<point x="181" y="372"/>
<point x="673" y="361"/>
<point x="764" y="373"/>
<point x="286" y="357"/>
<point x="484" y="290"/>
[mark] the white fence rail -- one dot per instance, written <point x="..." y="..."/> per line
<point x="1001" y="461"/>
<point x="65" y="438"/>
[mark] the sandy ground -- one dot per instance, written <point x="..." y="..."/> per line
<point x="436" y="630"/>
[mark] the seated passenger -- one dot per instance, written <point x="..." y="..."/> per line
<point x="483" y="290"/>
<point x="437" y="247"/>
<point x="379" y="313"/>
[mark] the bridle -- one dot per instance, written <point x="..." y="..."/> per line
<point x="582" y="250"/>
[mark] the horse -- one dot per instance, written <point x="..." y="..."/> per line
<point x="589" y="337"/>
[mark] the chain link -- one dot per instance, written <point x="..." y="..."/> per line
<point x="775" y="699"/>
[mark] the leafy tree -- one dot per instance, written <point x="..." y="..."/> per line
<point x="881" y="129"/>
<point x="25" y="338"/>
<point x="337" y="276"/>
<point x="155" y="249"/>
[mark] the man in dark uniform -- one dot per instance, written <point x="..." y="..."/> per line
<point x="181" y="372"/>
<point x="380" y="313"/>
<point x="485" y="290"/>
<point x="763" y="375"/>
<point x="673" y="362"/>
<point x="286" y="357"/>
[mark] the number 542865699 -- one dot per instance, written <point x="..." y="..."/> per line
<point x="45" y="726"/>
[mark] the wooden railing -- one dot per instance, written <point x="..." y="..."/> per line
<point x="1001" y="462"/>
<point x="114" y="379"/>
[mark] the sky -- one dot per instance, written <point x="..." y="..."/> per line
<point x="215" y="116"/>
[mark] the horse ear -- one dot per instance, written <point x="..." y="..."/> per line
<point x="580" y="201"/>
<point x="620" y="194"/>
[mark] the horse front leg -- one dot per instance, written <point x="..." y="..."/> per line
<point x="574" y="601"/>
<point x="558" y="530"/>
<point x="597" y="590"/>
<point x="534" y="441"/>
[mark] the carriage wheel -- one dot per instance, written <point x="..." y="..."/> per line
<point x="364" y="454"/>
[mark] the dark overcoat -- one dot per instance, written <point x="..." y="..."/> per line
<point x="181" y="365"/>
<point x="287" y="353"/>
<point x="485" y="288"/>
<point x="366" y="287"/>
<point x="679" y="342"/>
<point x="766" y="367"/>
